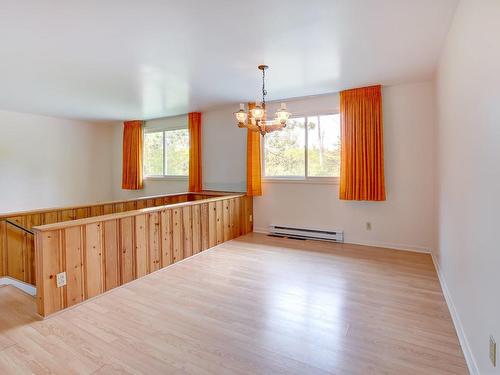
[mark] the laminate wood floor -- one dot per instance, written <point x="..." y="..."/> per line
<point x="254" y="305"/>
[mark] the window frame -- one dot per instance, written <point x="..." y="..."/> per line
<point x="162" y="130"/>
<point x="298" y="179"/>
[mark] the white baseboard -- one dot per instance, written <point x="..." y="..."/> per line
<point x="462" y="337"/>
<point x="386" y="245"/>
<point x="28" y="288"/>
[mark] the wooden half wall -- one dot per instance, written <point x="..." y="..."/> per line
<point x="17" y="249"/>
<point x="99" y="254"/>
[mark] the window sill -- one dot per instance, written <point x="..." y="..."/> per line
<point x="309" y="180"/>
<point x="166" y="178"/>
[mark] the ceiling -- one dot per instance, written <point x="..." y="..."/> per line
<point x="124" y="59"/>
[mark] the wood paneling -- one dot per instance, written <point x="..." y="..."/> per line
<point x="127" y="264"/>
<point x="101" y="255"/>
<point x="196" y="228"/>
<point x="141" y="246"/>
<point x="219" y="215"/>
<point x="166" y="238"/>
<point x="204" y="219"/>
<point x="17" y="247"/>
<point x="212" y="224"/>
<point x="93" y="260"/>
<point x="111" y="254"/>
<point x="74" y="265"/>
<point x="177" y="237"/>
<point x="187" y="231"/>
<point x="154" y="242"/>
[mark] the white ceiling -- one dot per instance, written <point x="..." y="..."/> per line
<point x="126" y="59"/>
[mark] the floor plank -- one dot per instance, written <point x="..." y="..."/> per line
<point x="254" y="305"/>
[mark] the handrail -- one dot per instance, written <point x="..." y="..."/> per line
<point x="120" y="215"/>
<point x="20" y="227"/>
<point x="6" y="215"/>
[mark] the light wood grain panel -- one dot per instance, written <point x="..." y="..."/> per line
<point x="127" y="253"/>
<point x="204" y="219"/>
<point x="141" y="246"/>
<point x="82" y="212"/>
<point x="93" y="260"/>
<point x="73" y="266"/>
<point x="141" y="203"/>
<point x="177" y="238"/>
<point x="212" y="224"/>
<point x="51" y="217"/>
<point x="219" y="212"/>
<point x="16" y="249"/>
<point x="108" y="209"/>
<point x="237" y="218"/>
<point x="68" y="215"/>
<point x="227" y="220"/>
<point x="29" y="260"/>
<point x="196" y="228"/>
<point x="49" y="296"/>
<point x="166" y="238"/>
<point x="187" y="232"/>
<point x="111" y="253"/>
<point x="97" y="210"/>
<point x="154" y="241"/>
<point x="130" y="206"/>
<point x="119" y="207"/>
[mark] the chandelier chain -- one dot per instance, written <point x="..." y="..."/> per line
<point x="264" y="91"/>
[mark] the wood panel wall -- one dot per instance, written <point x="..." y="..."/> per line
<point x="17" y="256"/>
<point x="101" y="255"/>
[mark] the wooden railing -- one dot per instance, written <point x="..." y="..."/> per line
<point x="100" y="253"/>
<point x="17" y="248"/>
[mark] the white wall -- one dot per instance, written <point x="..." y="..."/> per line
<point x="468" y="147"/>
<point x="405" y="220"/>
<point x="51" y="162"/>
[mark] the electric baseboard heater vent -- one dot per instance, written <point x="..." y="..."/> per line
<point x="307" y="233"/>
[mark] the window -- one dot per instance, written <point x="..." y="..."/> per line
<point x="309" y="147"/>
<point x="166" y="153"/>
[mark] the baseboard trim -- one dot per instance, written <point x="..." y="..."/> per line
<point x="385" y="245"/>
<point x="462" y="337"/>
<point x="28" y="288"/>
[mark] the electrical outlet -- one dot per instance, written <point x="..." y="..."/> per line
<point x="368" y="225"/>
<point x="61" y="279"/>
<point x="493" y="351"/>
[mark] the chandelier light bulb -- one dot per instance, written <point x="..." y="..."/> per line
<point x="282" y="114"/>
<point x="241" y="115"/>
<point x="258" y="112"/>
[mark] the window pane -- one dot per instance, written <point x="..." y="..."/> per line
<point x="177" y="152"/>
<point x="153" y="154"/>
<point x="323" y="152"/>
<point x="285" y="150"/>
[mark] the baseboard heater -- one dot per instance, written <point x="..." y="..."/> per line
<point x="307" y="233"/>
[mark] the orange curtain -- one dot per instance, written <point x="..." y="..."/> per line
<point x="132" y="155"/>
<point x="254" y="178"/>
<point x="194" y="125"/>
<point x="362" y="146"/>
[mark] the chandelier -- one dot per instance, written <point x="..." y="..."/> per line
<point x="255" y="118"/>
